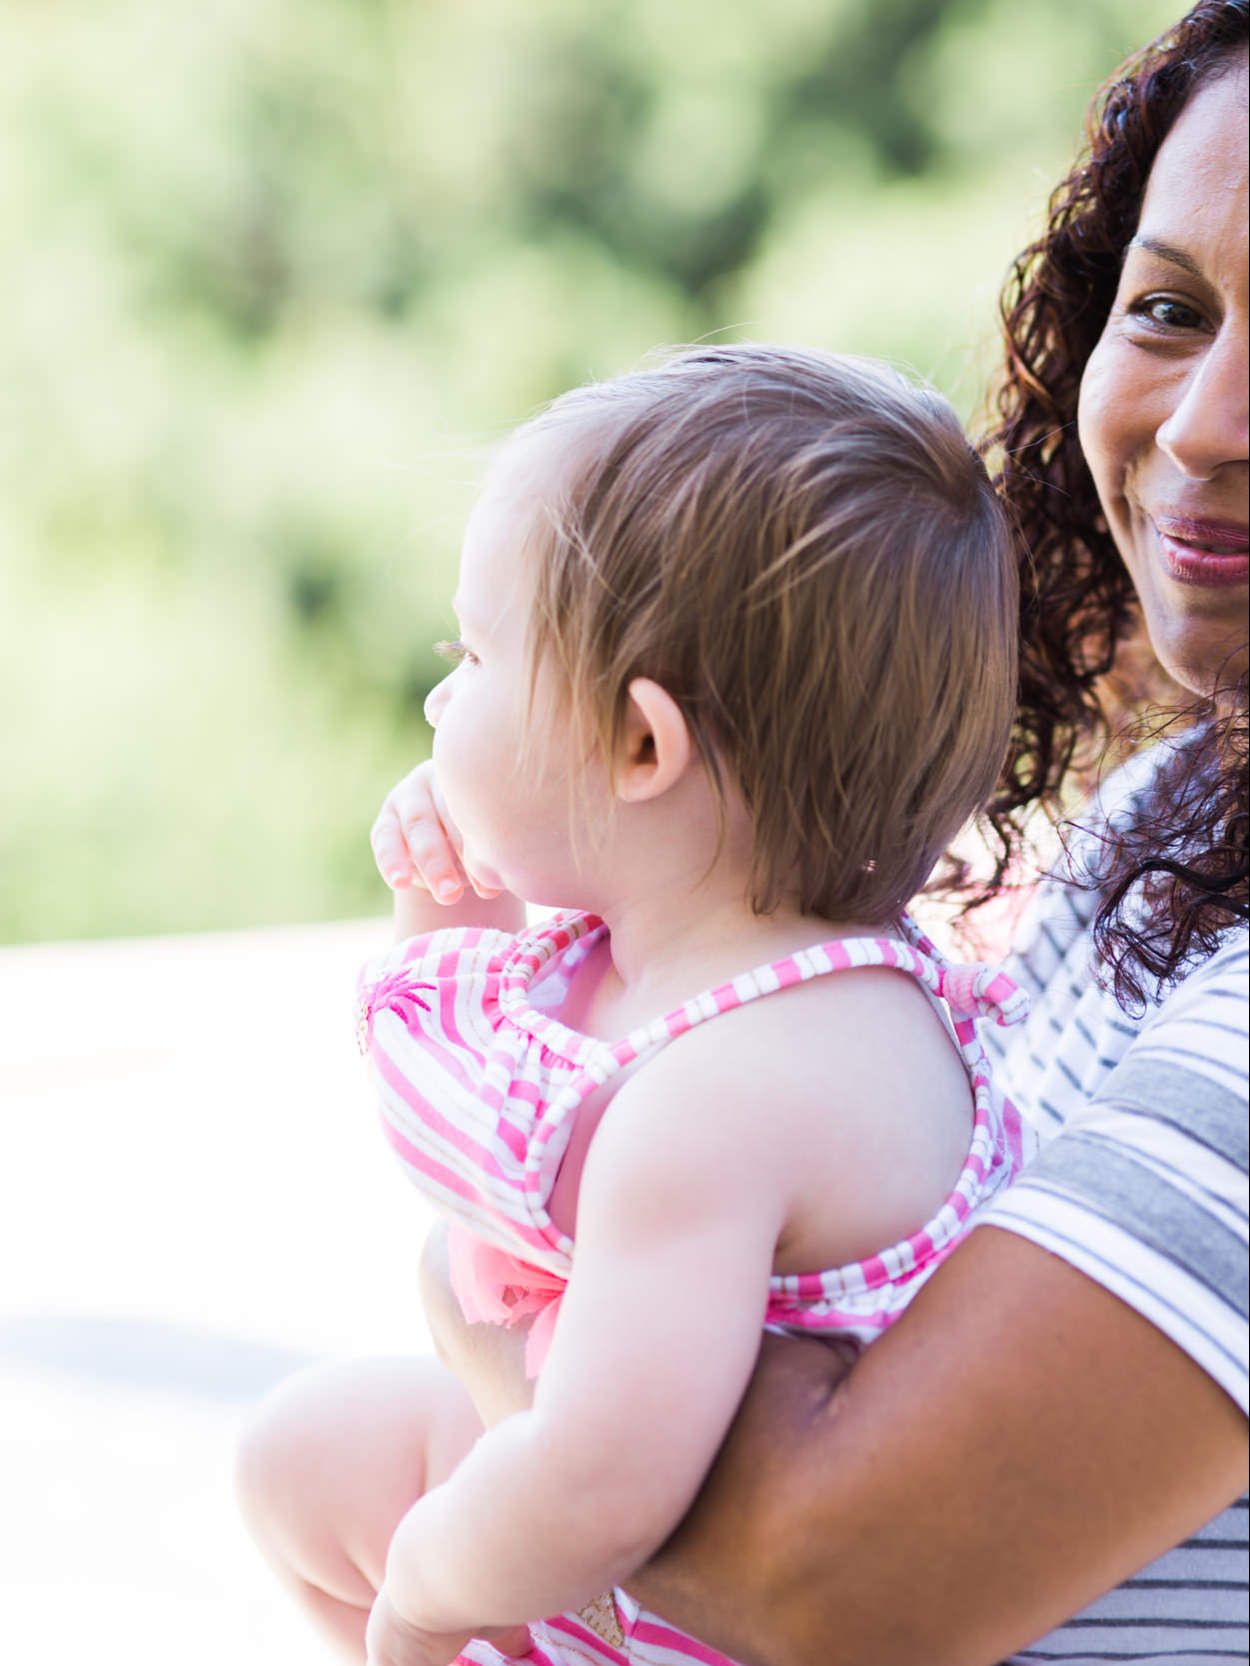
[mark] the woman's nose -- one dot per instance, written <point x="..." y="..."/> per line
<point x="436" y="701"/>
<point x="1208" y="427"/>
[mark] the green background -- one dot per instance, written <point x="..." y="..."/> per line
<point x="276" y="275"/>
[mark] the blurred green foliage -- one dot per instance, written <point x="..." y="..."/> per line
<point x="278" y="273"/>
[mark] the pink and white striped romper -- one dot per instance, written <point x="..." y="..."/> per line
<point x="479" y="1083"/>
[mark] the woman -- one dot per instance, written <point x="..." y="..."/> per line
<point x="1065" y="1399"/>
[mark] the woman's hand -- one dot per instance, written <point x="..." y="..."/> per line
<point x="391" y="1640"/>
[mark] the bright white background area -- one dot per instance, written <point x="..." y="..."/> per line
<point x="195" y="1199"/>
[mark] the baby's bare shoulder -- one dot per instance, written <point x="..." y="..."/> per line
<point x="821" y="1044"/>
<point x="847" y="1092"/>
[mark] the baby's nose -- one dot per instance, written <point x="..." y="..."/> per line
<point x="435" y="702"/>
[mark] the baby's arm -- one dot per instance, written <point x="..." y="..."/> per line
<point x="417" y="850"/>
<point x="678" y="1218"/>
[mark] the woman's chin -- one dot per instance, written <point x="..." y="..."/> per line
<point x="1206" y="663"/>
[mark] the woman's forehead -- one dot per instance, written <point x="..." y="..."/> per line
<point x="1196" y="196"/>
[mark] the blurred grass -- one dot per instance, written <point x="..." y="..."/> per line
<point x="278" y="275"/>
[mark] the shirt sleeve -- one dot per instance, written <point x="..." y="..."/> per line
<point x="1145" y="1189"/>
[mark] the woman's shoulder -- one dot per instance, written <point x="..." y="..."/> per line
<point x="1186" y="1055"/>
<point x="1077" y="1032"/>
<point x="1199" y="1032"/>
<point x="1052" y="938"/>
<point x="1143" y="1185"/>
<point x="1078" y="1036"/>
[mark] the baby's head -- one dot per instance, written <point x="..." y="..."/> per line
<point x="804" y="552"/>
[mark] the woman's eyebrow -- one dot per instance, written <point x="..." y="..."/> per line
<point x="1168" y="252"/>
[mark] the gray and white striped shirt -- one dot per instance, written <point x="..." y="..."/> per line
<point x="1142" y="1185"/>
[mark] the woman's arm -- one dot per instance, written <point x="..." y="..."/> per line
<point x="1018" y="1443"/>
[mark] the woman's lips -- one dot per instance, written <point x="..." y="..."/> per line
<point x="1210" y="553"/>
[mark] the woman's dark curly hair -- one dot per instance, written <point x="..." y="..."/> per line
<point x="1170" y="883"/>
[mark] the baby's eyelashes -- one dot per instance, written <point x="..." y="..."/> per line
<point x="457" y="652"/>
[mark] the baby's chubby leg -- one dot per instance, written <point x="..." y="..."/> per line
<point x="329" y="1464"/>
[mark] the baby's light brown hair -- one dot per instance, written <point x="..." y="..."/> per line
<point x="804" y="551"/>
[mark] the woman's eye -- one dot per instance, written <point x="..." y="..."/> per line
<point x="456" y="652"/>
<point x="1164" y="312"/>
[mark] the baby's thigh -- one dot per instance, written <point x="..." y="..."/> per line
<point x="335" y="1456"/>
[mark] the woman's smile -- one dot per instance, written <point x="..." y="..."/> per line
<point x="1163" y="407"/>
<point x="1210" y="554"/>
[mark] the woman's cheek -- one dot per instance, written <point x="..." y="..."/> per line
<point x="1096" y="415"/>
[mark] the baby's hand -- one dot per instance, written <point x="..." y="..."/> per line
<point x="415" y="842"/>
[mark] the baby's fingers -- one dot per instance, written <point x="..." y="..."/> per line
<point x="429" y="844"/>
<point x="432" y="856"/>
<point x="390" y="848"/>
<point x="483" y="888"/>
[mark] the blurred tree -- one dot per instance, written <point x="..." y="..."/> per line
<point x="277" y="275"/>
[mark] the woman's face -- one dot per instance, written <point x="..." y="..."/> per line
<point x="1163" y="407"/>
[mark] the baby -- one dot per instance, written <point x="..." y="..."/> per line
<point x="736" y="661"/>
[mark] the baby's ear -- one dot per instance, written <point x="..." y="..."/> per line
<point x="656" y="747"/>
